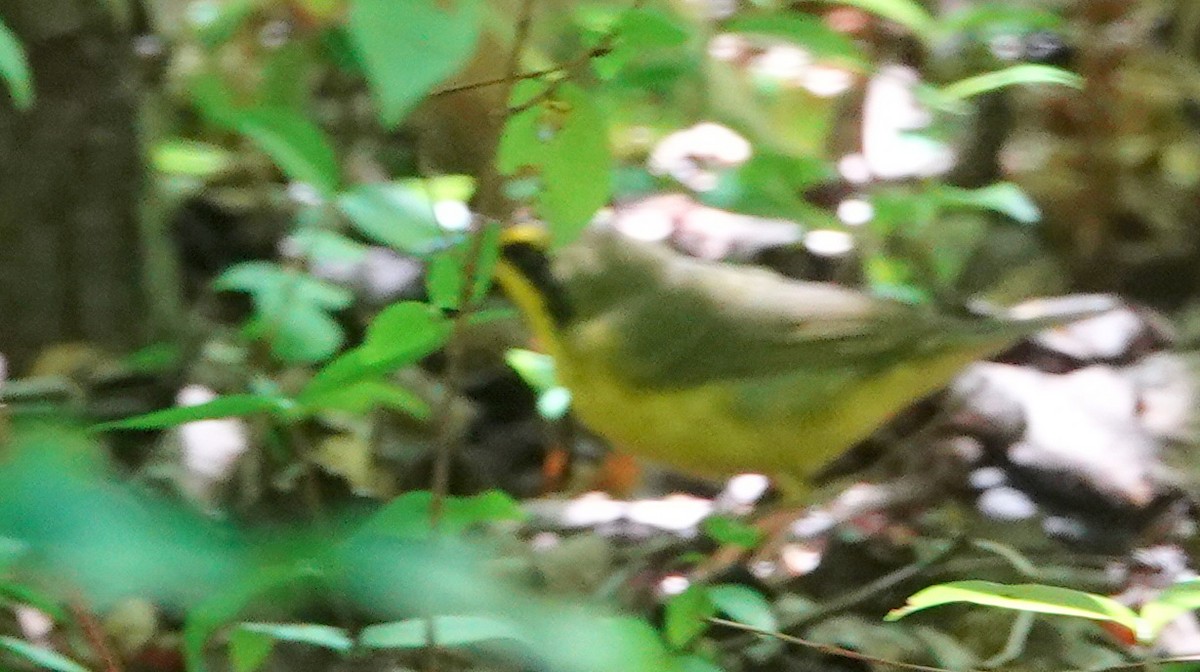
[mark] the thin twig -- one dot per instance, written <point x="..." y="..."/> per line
<point x="879" y="586"/>
<point x="94" y="633"/>
<point x="489" y="187"/>
<point x="829" y="648"/>
<point x="855" y="655"/>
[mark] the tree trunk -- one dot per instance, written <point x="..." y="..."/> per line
<point x="70" y="176"/>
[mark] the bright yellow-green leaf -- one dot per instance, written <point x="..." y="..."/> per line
<point x="1026" y="73"/>
<point x="1024" y="597"/>
<point x="14" y="69"/>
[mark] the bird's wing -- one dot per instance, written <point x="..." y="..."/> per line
<point x="669" y="321"/>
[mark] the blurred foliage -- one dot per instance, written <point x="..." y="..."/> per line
<point x="362" y="123"/>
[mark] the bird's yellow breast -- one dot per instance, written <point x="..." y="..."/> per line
<point x="719" y="429"/>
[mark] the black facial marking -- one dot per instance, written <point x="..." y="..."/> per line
<point x="533" y="263"/>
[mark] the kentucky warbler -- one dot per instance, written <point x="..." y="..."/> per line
<point x="717" y="369"/>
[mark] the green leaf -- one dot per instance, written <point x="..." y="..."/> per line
<point x="213" y="99"/>
<point x="640" y="33"/>
<point x="1166" y="607"/>
<point x="1025" y="597"/>
<point x="300" y="332"/>
<point x="232" y="405"/>
<point x="367" y="395"/>
<point x="21" y="594"/>
<point x="14" y="69"/>
<point x="744" y="605"/>
<point x="190" y="158"/>
<point x="285" y="82"/>
<point x="521" y="143"/>
<point x="1005" y="198"/>
<point x="577" y="172"/>
<point x="292" y="309"/>
<point x="729" y="531"/>
<point x="40" y="655"/>
<point x="907" y="13"/>
<point x="329" y="246"/>
<point x="249" y="650"/>
<point x="646" y="27"/>
<point x="399" y="336"/>
<point x="400" y="216"/>
<point x="408" y="47"/>
<point x="535" y="368"/>
<point x="325" y="636"/>
<point x="443" y="187"/>
<point x="403" y="329"/>
<point x="1025" y="73"/>
<point x="408" y="515"/>
<point x="229" y="601"/>
<point x="294" y="143"/>
<point x="997" y="18"/>
<point x="449" y="631"/>
<point x="264" y="278"/>
<point x="154" y="358"/>
<point x="445" y="278"/>
<point x="686" y="616"/>
<point x="807" y="31"/>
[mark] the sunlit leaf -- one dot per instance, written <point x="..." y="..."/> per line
<point x="408" y="47"/>
<point x="40" y="655"/>
<point x="14" y="69"/>
<point x="178" y="156"/>
<point x="325" y="636"/>
<point x="1168" y="605"/>
<point x="1025" y="597"/>
<point x="448" y="631"/>
<point x="400" y="216"/>
<point x="329" y="246"/>
<point x="295" y="144"/>
<point x="1005" y="198"/>
<point x="535" y="368"/>
<point x="1025" y="73"/>
<point x="443" y="187"/>
<point x="222" y="407"/>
